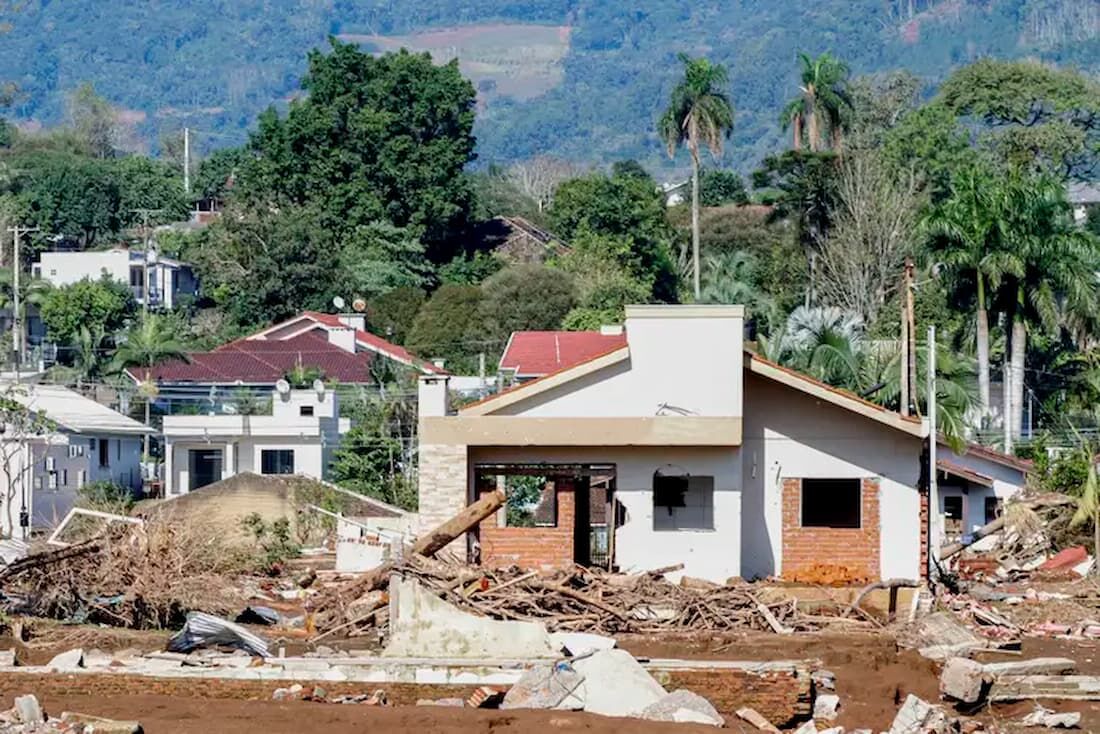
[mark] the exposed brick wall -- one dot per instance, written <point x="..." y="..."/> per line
<point x="783" y="697"/>
<point x="539" y="547"/>
<point x="857" y="549"/>
<point x="924" y="534"/>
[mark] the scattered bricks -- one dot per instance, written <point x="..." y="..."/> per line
<point x="287" y="694"/>
<point x="1036" y="666"/>
<point x="1068" y="687"/>
<point x="826" y="706"/>
<point x="752" y="717"/>
<point x="963" y="680"/>
<point x="782" y="693"/>
<point x="487" y="697"/>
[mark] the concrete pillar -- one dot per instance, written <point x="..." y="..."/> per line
<point x="433" y="397"/>
<point x="169" y="478"/>
<point x="442" y="483"/>
<point x="229" y="460"/>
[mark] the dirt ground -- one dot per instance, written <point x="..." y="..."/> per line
<point x="872" y="678"/>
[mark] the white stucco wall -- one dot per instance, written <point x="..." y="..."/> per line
<point x="713" y="554"/>
<point x="790" y="434"/>
<point x="682" y="362"/>
<point x="245" y="455"/>
<point x="1007" y="482"/>
<point x="64" y="268"/>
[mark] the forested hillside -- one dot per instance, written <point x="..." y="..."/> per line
<point x="583" y="79"/>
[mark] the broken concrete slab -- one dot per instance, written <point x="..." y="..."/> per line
<point x="754" y="717"/>
<point x="683" y="707"/>
<point x="918" y="717"/>
<point x="1068" y="687"/>
<point x="27" y="709"/>
<point x="824" y="679"/>
<point x="941" y="635"/>
<point x="66" y="661"/>
<point x="98" y="725"/>
<point x="1035" y="666"/>
<point x="556" y="686"/>
<point x="576" y="644"/>
<point x="423" y="625"/>
<point x="616" y="684"/>
<point x="808" y="727"/>
<point x="1051" y="720"/>
<point x="7" y="658"/>
<point x="826" y="706"/>
<point x="963" y="680"/>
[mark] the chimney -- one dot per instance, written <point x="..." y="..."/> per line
<point x="611" y="329"/>
<point x="354" y="320"/>
<point x="433" y="396"/>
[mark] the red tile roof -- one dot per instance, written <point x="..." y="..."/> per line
<point x="377" y="344"/>
<point x="265" y="361"/>
<point x="538" y="353"/>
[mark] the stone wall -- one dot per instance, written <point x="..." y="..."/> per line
<point x="442" y="484"/>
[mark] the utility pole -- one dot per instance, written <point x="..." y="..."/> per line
<point x="933" y="438"/>
<point x="1006" y="420"/>
<point x="145" y="214"/>
<point x="911" y="331"/>
<point x="17" y="233"/>
<point x="187" y="160"/>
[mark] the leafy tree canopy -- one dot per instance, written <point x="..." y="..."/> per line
<point x="448" y="327"/>
<point x="102" y="305"/>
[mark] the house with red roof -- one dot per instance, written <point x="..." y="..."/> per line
<point x="337" y="347"/>
<point x="703" y="454"/>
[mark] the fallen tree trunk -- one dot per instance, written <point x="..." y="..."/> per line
<point x="1049" y="500"/>
<point x="440" y="537"/>
<point x="891" y="584"/>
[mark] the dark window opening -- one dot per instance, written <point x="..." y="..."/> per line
<point x="994" y="506"/>
<point x="953" y="508"/>
<point x="277" y="461"/>
<point x="305" y="410"/>
<point x="831" y="503"/>
<point x="104" y="452"/>
<point x="683" y="502"/>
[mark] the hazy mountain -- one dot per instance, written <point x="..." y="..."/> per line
<point x="579" y="78"/>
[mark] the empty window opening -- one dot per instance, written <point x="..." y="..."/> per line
<point x="305" y="410"/>
<point x="532" y="501"/>
<point x="104" y="452"/>
<point x="994" y="507"/>
<point x="831" y="503"/>
<point x="683" y="502"/>
<point x="277" y="461"/>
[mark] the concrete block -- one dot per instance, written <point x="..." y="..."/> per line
<point x="27" y="709"/>
<point x="7" y="658"/>
<point x="98" y="725"/>
<point x="1036" y="666"/>
<point x="756" y="719"/>
<point x="826" y="706"/>
<point x="616" y="684"/>
<point x="684" y="707"/>
<point x="1067" y="687"/>
<point x="98" y="659"/>
<point x="580" y="643"/>
<point x="556" y="686"/>
<point x="67" y="661"/>
<point x="962" y="680"/>
<point x="918" y="717"/>
<point x="1051" y="720"/>
<point x="423" y="625"/>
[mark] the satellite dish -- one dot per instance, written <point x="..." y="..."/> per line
<point x="319" y="388"/>
<point x="282" y="387"/>
<point x="359" y="305"/>
<point x="339" y="303"/>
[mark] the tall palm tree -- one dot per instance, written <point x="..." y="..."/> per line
<point x="699" y="113"/>
<point x="147" y="343"/>
<point x="822" y="103"/>
<point x="1055" y="283"/>
<point x="729" y="278"/>
<point x="968" y="234"/>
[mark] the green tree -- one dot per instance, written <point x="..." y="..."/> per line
<point x="391" y="314"/>
<point x="378" y="257"/>
<point x="69" y="195"/>
<point x="94" y="121"/>
<point x="525" y="298"/>
<point x="822" y="103"/>
<point x="604" y="285"/>
<point x="149" y="184"/>
<point x="933" y="143"/>
<point x="149" y="342"/>
<point x="731" y="277"/>
<point x="372" y="458"/>
<point x="718" y="187"/>
<point x="448" y="327"/>
<point x="101" y="306"/>
<point x="629" y="211"/>
<point x="375" y="138"/>
<point x="470" y="269"/>
<point x="699" y="114"/>
<point x="1088" y="505"/>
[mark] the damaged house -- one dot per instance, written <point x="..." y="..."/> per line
<point x="678" y="445"/>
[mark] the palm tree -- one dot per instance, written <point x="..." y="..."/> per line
<point x="968" y="232"/>
<point x="1054" y="283"/>
<point x="729" y="278"/>
<point x="1088" y="502"/>
<point x="822" y="102"/>
<point x="699" y="113"/>
<point x="147" y="343"/>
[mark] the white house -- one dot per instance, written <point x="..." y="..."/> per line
<point x="168" y="279"/>
<point x="81" y="441"/>
<point x="299" y="437"/>
<point x="707" y="455"/>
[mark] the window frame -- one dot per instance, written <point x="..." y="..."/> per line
<point x="278" y="455"/>
<point x="684" y="498"/>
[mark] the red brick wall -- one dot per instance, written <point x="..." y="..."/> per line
<point x="855" y="549"/>
<point x="540" y="547"/>
<point x="924" y="534"/>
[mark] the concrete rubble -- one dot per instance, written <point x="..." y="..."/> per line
<point x="27" y="717"/>
<point x="683" y="707"/>
<point x="754" y="717"/>
<point x="963" y="680"/>
<point x="1046" y="718"/>
<point x="918" y="717"/>
<point x="826" y="706"/>
<point x="617" y="684"/>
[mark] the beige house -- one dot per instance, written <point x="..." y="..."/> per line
<point x="703" y="453"/>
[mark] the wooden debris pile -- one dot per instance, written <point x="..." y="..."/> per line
<point x="577" y="600"/>
<point x="136" y="576"/>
